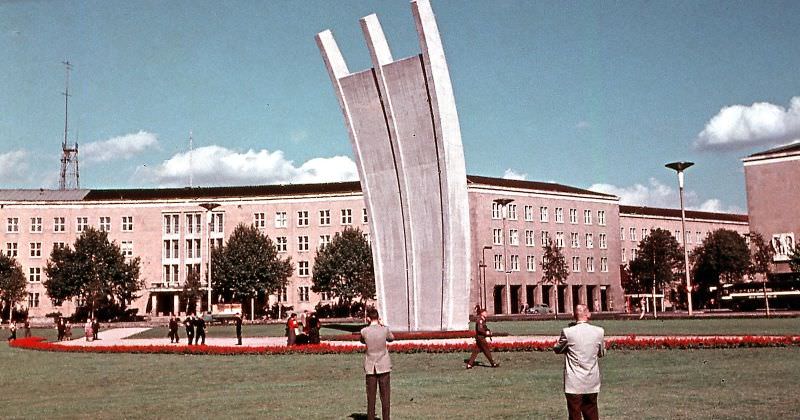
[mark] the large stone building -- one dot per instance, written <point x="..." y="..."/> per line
<point x="167" y="228"/>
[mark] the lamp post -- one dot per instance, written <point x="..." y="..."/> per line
<point x="505" y="202"/>
<point x="209" y="218"/>
<point x="482" y="266"/>
<point x="679" y="167"/>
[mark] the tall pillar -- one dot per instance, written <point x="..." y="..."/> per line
<point x="537" y="294"/>
<point x="154" y="304"/>
<point x="176" y="304"/>
<point x="582" y="295"/>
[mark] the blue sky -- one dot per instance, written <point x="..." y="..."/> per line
<point x="590" y="94"/>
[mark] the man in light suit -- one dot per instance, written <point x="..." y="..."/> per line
<point x="582" y="344"/>
<point x="377" y="364"/>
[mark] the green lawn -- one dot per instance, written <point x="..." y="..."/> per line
<point x="739" y="383"/>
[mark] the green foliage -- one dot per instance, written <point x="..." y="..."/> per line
<point x="248" y="263"/>
<point x="794" y="261"/>
<point x="554" y="265"/>
<point x="94" y="271"/>
<point x="191" y="292"/>
<point x="344" y="269"/>
<point x="12" y="281"/>
<point x="722" y="258"/>
<point x="658" y="262"/>
<point x="761" y="254"/>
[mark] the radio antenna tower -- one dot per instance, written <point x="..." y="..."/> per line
<point x="69" y="176"/>
<point x="191" y="152"/>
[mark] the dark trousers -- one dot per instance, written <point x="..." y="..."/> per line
<point x="239" y="335"/>
<point x="373" y="382"/>
<point x="189" y="336"/>
<point x="200" y="333"/>
<point x="480" y="346"/>
<point x="582" y="405"/>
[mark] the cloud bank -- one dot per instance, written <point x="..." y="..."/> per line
<point x="120" y="147"/>
<point x="13" y="166"/>
<point x="656" y="194"/>
<point x="216" y="165"/>
<point x="512" y="174"/>
<point x="760" y="124"/>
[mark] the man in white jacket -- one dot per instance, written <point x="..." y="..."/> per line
<point x="583" y="345"/>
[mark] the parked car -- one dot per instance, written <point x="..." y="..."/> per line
<point x="539" y="309"/>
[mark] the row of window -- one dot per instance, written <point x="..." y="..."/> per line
<point x="530" y="238"/>
<point x="193" y="247"/>
<point x="303" y="294"/>
<point x="544" y="214"/>
<point x="282" y="218"/>
<point x="60" y="224"/>
<point x="194" y="224"/>
<point x="531" y="262"/>
<point x="698" y="236"/>
<point x="35" y="248"/>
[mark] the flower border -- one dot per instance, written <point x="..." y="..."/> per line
<point x="627" y="343"/>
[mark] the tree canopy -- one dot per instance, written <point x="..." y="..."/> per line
<point x="95" y="271"/>
<point x="794" y="261"/>
<point x="658" y="262"/>
<point x="761" y="254"/>
<point x="554" y="265"/>
<point x="191" y="292"/>
<point x="246" y="264"/>
<point x="722" y="258"/>
<point x="344" y="268"/>
<point x="12" y="282"/>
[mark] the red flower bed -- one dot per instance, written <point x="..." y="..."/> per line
<point x="627" y="343"/>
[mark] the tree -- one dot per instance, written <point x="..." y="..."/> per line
<point x="554" y="268"/>
<point x="12" y="282"/>
<point x="95" y="271"/>
<point x="344" y="269"/>
<point x="657" y="263"/>
<point x="722" y="258"/>
<point x="247" y="264"/>
<point x="191" y="292"/>
<point x="794" y="260"/>
<point x="761" y="254"/>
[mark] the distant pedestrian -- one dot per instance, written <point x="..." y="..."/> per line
<point x="642" y="305"/>
<point x="313" y="328"/>
<point x="481" y="345"/>
<point x="377" y="363"/>
<point x="12" y="329"/>
<point x="188" y="323"/>
<point x="238" y="321"/>
<point x="291" y="329"/>
<point x="27" y="326"/>
<point x="200" y="329"/>
<point x="60" y="328"/>
<point x="67" y="330"/>
<point x="87" y="330"/>
<point x="173" y="329"/>
<point x="95" y="328"/>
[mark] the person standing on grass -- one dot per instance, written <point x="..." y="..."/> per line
<point x="27" y="326"/>
<point x="60" y="328"/>
<point x="481" y="345"/>
<point x="188" y="323"/>
<point x="291" y="329"/>
<point x="87" y="330"/>
<point x="173" y="328"/>
<point x="95" y="328"/>
<point x="238" y="321"/>
<point x="313" y="328"/>
<point x="12" y="329"/>
<point x="200" y="329"/>
<point x="377" y="364"/>
<point x="582" y="344"/>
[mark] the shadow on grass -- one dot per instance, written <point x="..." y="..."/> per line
<point x="360" y="416"/>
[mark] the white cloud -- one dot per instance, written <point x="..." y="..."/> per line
<point x="582" y="125"/>
<point x="760" y="124"/>
<point x="656" y="194"/>
<point x="120" y="147"/>
<point x="512" y="174"/>
<point x="217" y="165"/>
<point x="13" y="166"/>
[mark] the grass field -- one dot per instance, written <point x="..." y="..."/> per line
<point x="739" y="383"/>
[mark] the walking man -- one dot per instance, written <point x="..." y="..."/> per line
<point x="377" y="364"/>
<point x="173" y="329"/>
<point x="238" y="321"/>
<point x="481" y="345"/>
<point x="95" y="328"/>
<point x="582" y="344"/>
<point x="188" y="323"/>
<point x="200" y="329"/>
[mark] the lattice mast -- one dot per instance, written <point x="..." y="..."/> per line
<point x="69" y="177"/>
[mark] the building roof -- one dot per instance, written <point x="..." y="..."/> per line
<point x="676" y="213"/>
<point x="786" y="149"/>
<point x="42" y="195"/>
<point x="533" y="185"/>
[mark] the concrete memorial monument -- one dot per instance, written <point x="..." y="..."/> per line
<point x="403" y="125"/>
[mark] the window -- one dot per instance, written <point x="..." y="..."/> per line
<point x="324" y="296"/>
<point x="590" y="264"/>
<point x="573" y="216"/>
<point x="698" y="237"/>
<point x="127" y="223"/>
<point x="678" y="236"/>
<point x="59" y="245"/>
<point x="36" y="224"/>
<point x="529" y="238"/>
<point x="281" y="244"/>
<point x="302" y="268"/>
<point x="511" y="209"/>
<point x="302" y="293"/>
<point x="280" y="219"/>
<point x="171" y="224"/>
<point x="601" y="217"/>
<point x="324" y="240"/>
<point x="194" y="223"/>
<point x="603" y="241"/>
<point x="574" y="240"/>
<point x="11" y="249"/>
<point x="105" y="224"/>
<point x="576" y="264"/>
<point x="543" y="214"/>
<point x="59" y="224"/>
<point x="497" y="210"/>
<point x="624" y="257"/>
<point x="35" y="274"/>
<point x="497" y="236"/>
<point x="364" y="217"/>
<point x="545" y="238"/>
<point x="559" y="215"/>
<point x="283" y="294"/>
<point x="302" y="218"/>
<point x="589" y="240"/>
<point x="367" y="237"/>
<point x="604" y="265"/>
<point x="217" y="222"/>
<point x="347" y="216"/>
<point x="33" y="300"/>
<point x="587" y="217"/>
<point x="324" y="217"/>
<point x="513" y="237"/>
<point x="633" y="254"/>
<point x="12" y="225"/>
<point x="514" y="262"/>
<point x="127" y="248"/>
<point x="621" y="234"/>
<point x="171" y="249"/>
<point x="260" y="220"/>
<point x="36" y="249"/>
<point x="528" y="213"/>
<point x="560" y="239"/>
<point x="190" y="249"/>
<point x="530" y="262"/>
<point x="633" y="234"/>
<point x="498" y="262"/>
<point x="302" y="243"/>
<point x="644" y="233"/>
<point x="192" y="268"/>
<point x="688" y="237"/>
<point x="171" y="273"/>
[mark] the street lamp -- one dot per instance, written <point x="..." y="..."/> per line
<point x="209" y="218"/>
<point x="482" y="266"/>
<point x="505" y="202"/>
<point x="679" y="167"/>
